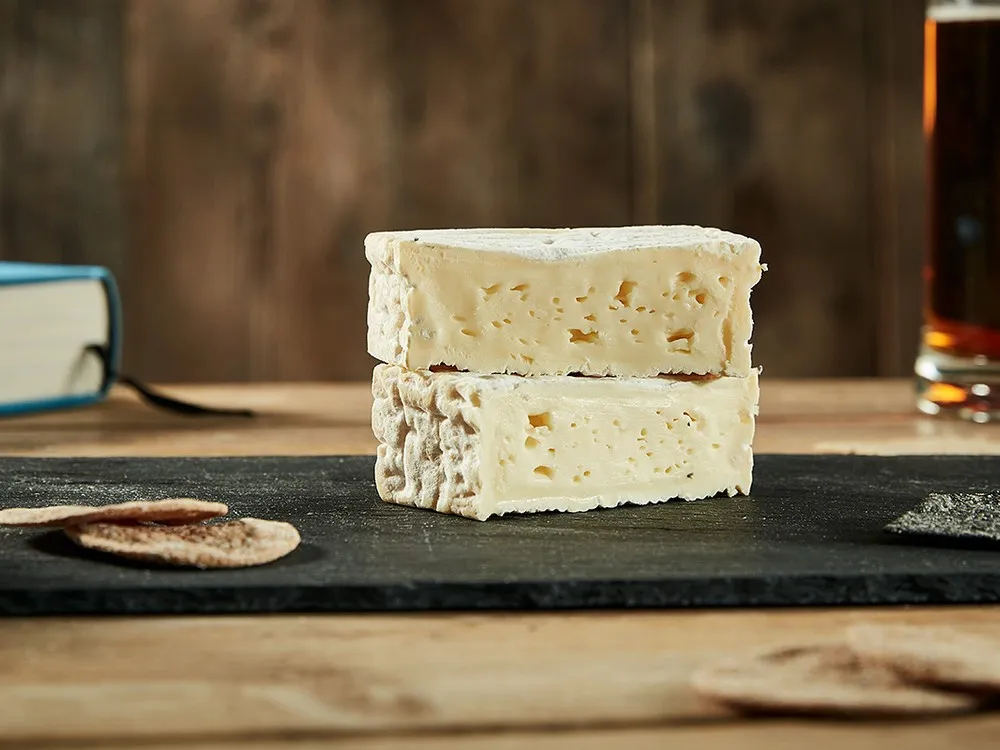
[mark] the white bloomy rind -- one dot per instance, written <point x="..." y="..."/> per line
<point x="625" y="302"/>
<point x="480" y="445"/>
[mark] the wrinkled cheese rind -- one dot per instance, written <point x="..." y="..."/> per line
<point x="625" y="302"/>
<point x="481" y="445"/>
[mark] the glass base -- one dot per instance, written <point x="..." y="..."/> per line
<point x="964" y="387"/>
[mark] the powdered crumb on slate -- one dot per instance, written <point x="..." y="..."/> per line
<point x="963" y="515"/>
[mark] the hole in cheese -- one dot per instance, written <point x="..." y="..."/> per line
<point x="530" y="442"/>
<point x="590" y="317"/>
<point x="625" y="290"/>
<point x="576" y="336"/>
<point x="491" y="290"/>
<point x="543" y="419"/>
<point x="682" y="338"/>
<point x="544" y="471"/>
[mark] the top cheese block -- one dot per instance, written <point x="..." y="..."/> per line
<point x="625" y="301"/>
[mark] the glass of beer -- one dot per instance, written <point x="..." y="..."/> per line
<point x="958" y="367"/>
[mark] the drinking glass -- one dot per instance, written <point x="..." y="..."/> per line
<point x="958" y="366"/>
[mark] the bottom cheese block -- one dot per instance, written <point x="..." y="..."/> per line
<point x="480" y="445"/>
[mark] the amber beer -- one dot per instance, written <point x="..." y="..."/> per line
<point x="959" y="365"/>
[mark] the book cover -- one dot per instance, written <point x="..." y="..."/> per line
<point x="60" y="336"/>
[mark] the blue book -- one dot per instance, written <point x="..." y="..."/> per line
<point x="60" y="336"/>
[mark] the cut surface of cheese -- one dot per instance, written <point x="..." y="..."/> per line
<point x="480" y="445"/>
<point x="625" y="301"/>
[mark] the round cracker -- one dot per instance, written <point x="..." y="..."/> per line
<point x="821" y="679"/>
<point x="939" y="656"/>
<point x="232" y="544"/>
<point x="169" y="510"/>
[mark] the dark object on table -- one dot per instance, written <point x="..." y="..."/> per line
<point x="962" y="517"/>
<point x="810" y="534"/>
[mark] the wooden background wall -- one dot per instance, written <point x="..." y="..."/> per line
<point x="226" y="157"/>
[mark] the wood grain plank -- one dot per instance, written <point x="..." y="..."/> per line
<point x="188" y="677"/>
<point x="332" y="185"/>
<point x="511" y="112"/>
<point x="897" y="191"/>
<point x="643" y="87"/>
<point x="976" y="733"/>
<point x="62" y="149"/>
<point x="761" y="116"/>
<point x="206" y="86"/>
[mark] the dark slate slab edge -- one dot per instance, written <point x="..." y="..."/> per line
<point x="811" y="534"/>
<point x="722" y="593"/>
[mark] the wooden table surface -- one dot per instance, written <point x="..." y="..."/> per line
<point x="568" y="680"/>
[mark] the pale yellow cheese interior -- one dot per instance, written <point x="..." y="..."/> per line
<point x="610" y="439"/>
<point x="637" y="312"/>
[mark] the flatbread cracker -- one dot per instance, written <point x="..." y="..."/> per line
<point x="939" y="656"/>
<point x="821" y="679"/>
<point x="233" y="544"/>
<point x="174" y="510"/>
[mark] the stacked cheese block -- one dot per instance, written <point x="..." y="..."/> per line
<point x="565" y="369"/>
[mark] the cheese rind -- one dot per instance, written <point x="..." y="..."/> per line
<point x="625" y="302"/>
<point x="480" y="445"/>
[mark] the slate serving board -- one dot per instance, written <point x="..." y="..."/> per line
<point x="809" y="535"/>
